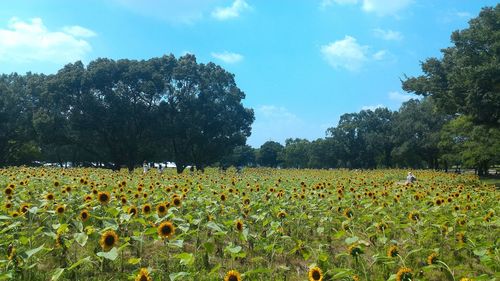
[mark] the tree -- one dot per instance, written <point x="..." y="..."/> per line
<point x="467" y="79"/>
<point x="201" y="113"/>
<point x="269" y="154"/>
<point x="296" y="153"/>
<point x="416" y="129"/>
<point x="470" y="145"/>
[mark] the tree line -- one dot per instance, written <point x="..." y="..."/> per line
<point x="120" y="113"/>
<point x="456" y="123"/>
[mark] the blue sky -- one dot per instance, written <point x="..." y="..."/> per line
<point x="301" y="63"/>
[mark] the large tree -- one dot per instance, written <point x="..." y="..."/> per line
<point x="466" y="80"/>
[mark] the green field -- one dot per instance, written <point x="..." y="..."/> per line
<point x="261" y="224"/>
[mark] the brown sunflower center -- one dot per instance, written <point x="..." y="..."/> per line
<point x="316" y="275"/>
<point x="109" y="240"/>
<point x="233" y="277"/>
<point x="166" y="230"/>
<point x="147" y="209"/>
<point x="144" y="277"/>
<point x="161" y="209"/>
<point x="84" y="215"/>
<point x="103" y="197"/>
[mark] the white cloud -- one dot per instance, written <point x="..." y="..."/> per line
<point x="372" y="107"/>
<point x="348" y="54"/>
<point x="380" y="55"/>
<point x="385" y="7"/>
<point x="228" y="57"/>
<point x="171" y="11"/>
<point x="326" y="3"/>
<point x="379" y="7"/>
<point x="389" y="35"/>
<point x="24" y="42"/>
<point x="345" y="53"/>
<point x="399" y="97"/>
<point x="231" y="12"/>
<point x="79" y="31"/>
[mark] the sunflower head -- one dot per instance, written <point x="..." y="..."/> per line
<point x="50" y="196"/>
<point x="232" y="275"/>
<point x="239" y="225"/>
<point x="143" y="275"/>
<point x="315" y="274"/>
<point x="392" y="251"/>
<point x="24" y="208"/>
<point x="432" y="258"/>
<point x="404" y="274"/>
<point x="108" y="240"/>
<point x="166" y="229"/>
<point x="84" y="215"/>
<point x="348" y="213"/>
<point x="354" y="250"/>
<point x="11" y="252"/>
<point x="146" y="209"/>
<point x="161" y="209"/>
<point x="60" y="209"/>
<point x="177" y="202"/>
<point x="282" y="214"/>
<point x="103" y="197"/>
<point x="132" y="210"/>
<point x="9" y="191"/>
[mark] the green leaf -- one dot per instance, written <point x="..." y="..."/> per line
<point x="111" y="255"/>
<point x="84" y="260"/>
<point x="233" y="250"/>
<point x="176" y="243"/>
<point x="174" y="276"/>
<point x="185" y="258"/>
<point x="6" y="276"/>
<point x="57" y="273"/>
<point x="480" y="252"/>
<point x="81" y="238"/>
<point x="351" y="240"/>
<point x="214" y="226"/>
<point x="33" y="251"/>
<point x="209" y="247"/>
<point x="134" y="260"/>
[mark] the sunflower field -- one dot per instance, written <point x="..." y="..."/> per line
<point x="260" y="224"/>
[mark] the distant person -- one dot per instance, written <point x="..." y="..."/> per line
<point x="160" y="168"/>
<point x="145" y="167"/>
<point x="410" y="178"/>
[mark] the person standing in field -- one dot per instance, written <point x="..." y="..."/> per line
<point x="410" y="178"/>
<point x="145" y="167"/>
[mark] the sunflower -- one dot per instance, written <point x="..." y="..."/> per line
<point x="84" y="215"/>
<point x="348" y="213"/>
<point x="355" y="278"/>
<point x="103" y="197"/>
<point x="24" y="208"/>
<point x="432" y="258"/>
<point x="146" y="209"/>
<point x="461" y="237"/>
<point x="87" y="198"/>
<point x="60" y="209"/>
<point x="223" y="197"/>
<point x="143" y="275"/>
<point x="393" y="251"/>
<point x="404" y="274"/>
<point x="9" y="191"/>
<point x="382" y="226"/>
<point x="132" y="210"/>
<point x="166" y="229"/>
<point x="11" y="252"/>
<point x="161" y="209"/>
<point x="239" y="225"/>
<point x="414" y="216"/>
<point x="282" y="214"/>
<point x="232" y="275"/>
<point x="465" y="279"/>
<point x="15" y="214"/>
<point x="354" y="250"/>
<point x="108" y="240"/>
<point x="315" y="274"/>
<point x="8" y="205"/>
<point x="177" y="202"/>
<point x="50" y="196"/>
